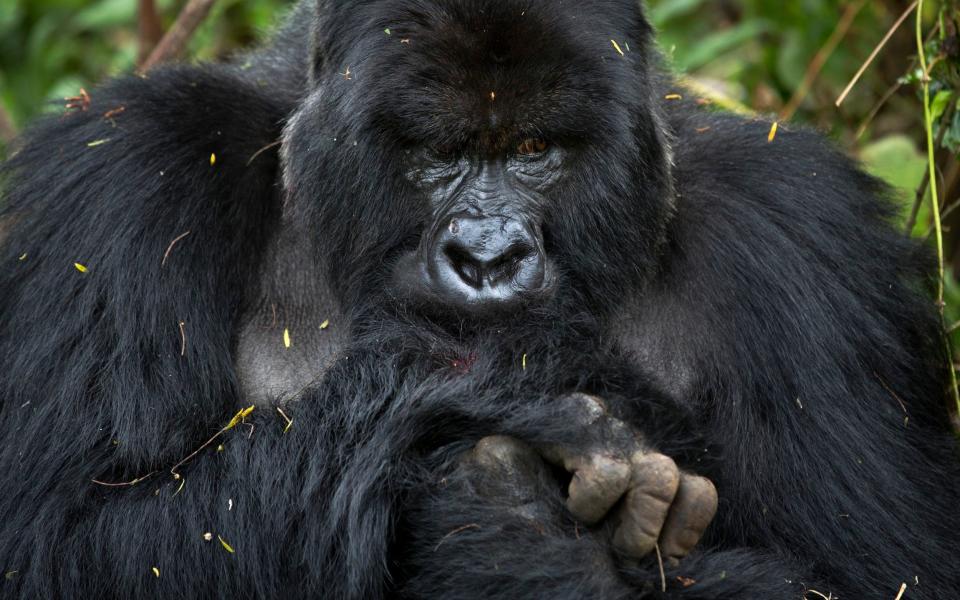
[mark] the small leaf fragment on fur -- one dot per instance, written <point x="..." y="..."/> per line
<point x="80" y="267"/>
<point x="286" y="338"/>
<point x="773" y="132"/>
<point x="387" y="31"/>
<point x="524" y="362"/>
<point x="240" y="416"/>
<point x="225" y="545"/>
<point x="616" y="46"/>
<point x="9" y="575"/>
<point x="325" y="324"/>
<point x="213" y="159"/>
<point x="288" y="420"/>
<point x="156" y="571"/>
<point x="23" y="257"/>
<point x="673" y="97"/>
<point x="96" y="143"/>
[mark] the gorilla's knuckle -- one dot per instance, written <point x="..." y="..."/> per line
<point x="655" y="474"/>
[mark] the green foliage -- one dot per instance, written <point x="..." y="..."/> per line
<point x="49" y="49"/>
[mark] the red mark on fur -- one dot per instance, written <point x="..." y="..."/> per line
<point x="463" y="364"/>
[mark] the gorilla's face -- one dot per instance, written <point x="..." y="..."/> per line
<point x="481" y="157"/>
<point x="483" y="250"/>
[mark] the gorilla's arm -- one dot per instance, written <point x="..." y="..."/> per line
<point x="100" y="382"/>
<point x="817" y="355"/>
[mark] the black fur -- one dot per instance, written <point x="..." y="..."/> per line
<point x="767" y="270"/>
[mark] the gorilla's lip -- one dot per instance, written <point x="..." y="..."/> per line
<point x="408" y="271"/>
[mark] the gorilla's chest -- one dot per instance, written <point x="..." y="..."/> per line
<point x="281" y="352"/>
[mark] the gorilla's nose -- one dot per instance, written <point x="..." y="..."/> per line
<point x="485" y="260"/>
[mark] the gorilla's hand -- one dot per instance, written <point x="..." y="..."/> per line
<point x="641" y="495"/>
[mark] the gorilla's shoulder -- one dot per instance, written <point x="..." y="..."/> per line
<point x="788" y="210"/>
<point x="784" y="167"/>
<point x="788" y="183"/>
<point x="168" y="139"/>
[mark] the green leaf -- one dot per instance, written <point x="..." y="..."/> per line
<point x="707" y="49"/>
<point x="939" y="104"/>
<point x="896" y="160"/>
<point x="663" y="11"/>
<point x="105" y="14"/>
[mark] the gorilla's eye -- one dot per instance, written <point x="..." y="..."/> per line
<point x="531" y="146"/>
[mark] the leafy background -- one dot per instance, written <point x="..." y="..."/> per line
<point x="747" y="55"/>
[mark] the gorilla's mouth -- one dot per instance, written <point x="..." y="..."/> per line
<point x="460" y="293"/>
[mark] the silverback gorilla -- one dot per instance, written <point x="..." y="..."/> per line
<point x="498" y="313"/>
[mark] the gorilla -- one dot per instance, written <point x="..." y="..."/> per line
<point x="460" y="299"/>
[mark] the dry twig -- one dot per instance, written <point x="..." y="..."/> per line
<point x="166" y="254"/>
<point x="663" y="575"/>
<point x="175" y="41"/>
<point x="455" y="532"/>
<point x="876" y="51"/>
<point x="149" y="29"/>
<point x="820" y="59"/>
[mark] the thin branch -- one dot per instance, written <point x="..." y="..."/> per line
<point x="820" y="59"/>
<point x="876" y="51"/>
<point x="925" y="182"/>
<point x="455" y="532"/>
<point x="149" y="29"/>
<point x="663" y="575"/>
<point x="878" y="107"/>
<point x="175" y="41"/>
<point x="166" y="254"/>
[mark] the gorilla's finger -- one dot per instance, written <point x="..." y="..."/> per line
<point x="507" y="467"/>
<point x="598" y="483"/>
<point x="692" y="511"/>
<point x="654" y="481"/>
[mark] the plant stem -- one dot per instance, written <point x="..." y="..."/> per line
<point x="935" y="195"/>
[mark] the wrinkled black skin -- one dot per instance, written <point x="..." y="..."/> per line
<point x="774" y="273"/>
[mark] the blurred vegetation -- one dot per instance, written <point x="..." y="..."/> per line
<point x="786" y="60"/>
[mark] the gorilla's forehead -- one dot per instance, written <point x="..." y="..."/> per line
<point x="455" y="71"/>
